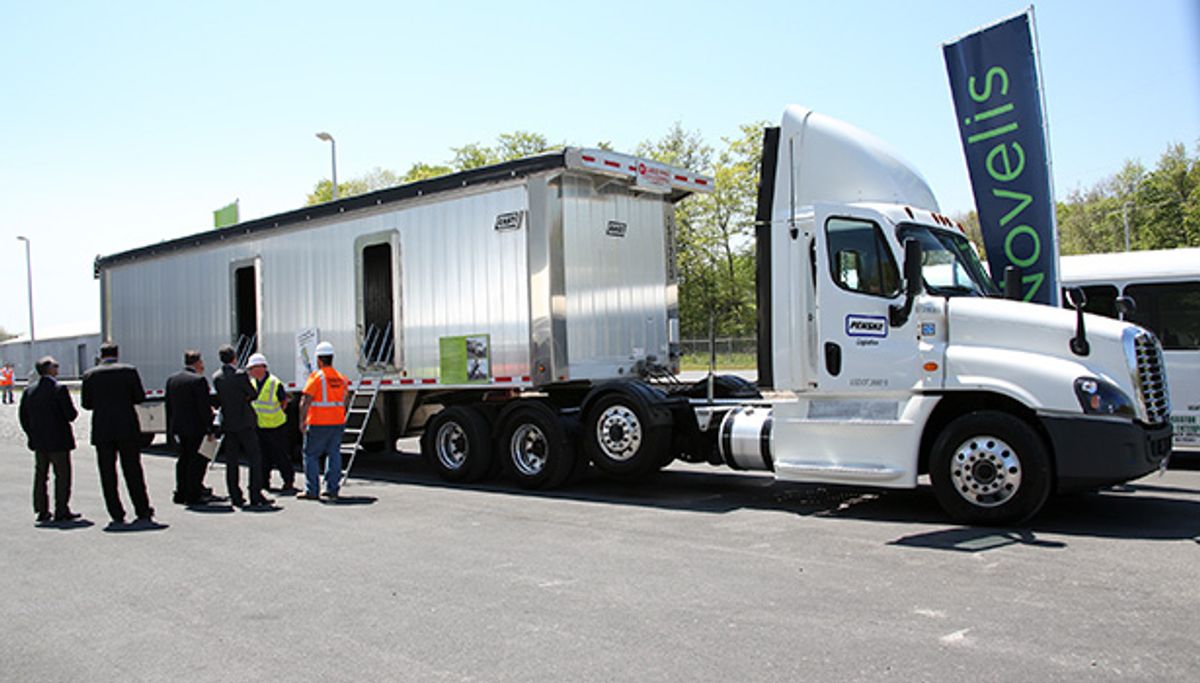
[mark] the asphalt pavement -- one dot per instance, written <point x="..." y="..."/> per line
<point x="699" y="574"/>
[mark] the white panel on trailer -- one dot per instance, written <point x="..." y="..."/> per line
<point x="462" y="276"/>
<point x="615" y="265"/>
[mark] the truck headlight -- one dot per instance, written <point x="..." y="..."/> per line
<point x="1098" y="397"/>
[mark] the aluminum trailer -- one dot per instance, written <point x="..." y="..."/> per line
<point x="549" y="274"/>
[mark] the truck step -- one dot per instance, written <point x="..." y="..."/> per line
<point x="824" y="471"/>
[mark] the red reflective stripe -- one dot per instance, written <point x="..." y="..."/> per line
<point x="614" y="164"/>
<point x="681" y="178"/>
<point x="504" y="379"/>
<point x="588" y="158"/>
<point x="385" y="381"/>
<point x="429" y="381"/>
<point x="701" y="181"/>
<point x="525" y="378"/>
<point x="406" y="381"/>
<point x="633" y="168"/>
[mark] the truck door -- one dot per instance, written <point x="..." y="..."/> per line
<point x="858" y="279"/>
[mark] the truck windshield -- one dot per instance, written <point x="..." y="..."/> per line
<point x="950" y="266"/>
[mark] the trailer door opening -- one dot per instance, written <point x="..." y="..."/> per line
<point x="377" y="301"/>
<point x="245" y="310"/>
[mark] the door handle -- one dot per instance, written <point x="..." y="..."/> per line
<point x="833" y="358"/>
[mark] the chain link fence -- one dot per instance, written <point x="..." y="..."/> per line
<point x="732" y="352"/>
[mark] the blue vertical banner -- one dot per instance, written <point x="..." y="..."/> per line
<point x="994" y="79"/>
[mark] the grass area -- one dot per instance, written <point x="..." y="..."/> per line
<point x="725" y="361"/>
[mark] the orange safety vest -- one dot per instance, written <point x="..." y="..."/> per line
<point x="327" y="389"/>
<point x="6" y="377"/>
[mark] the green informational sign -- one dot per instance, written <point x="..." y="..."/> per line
<point x="226" y="215"/>
<point x="466" y="360"/>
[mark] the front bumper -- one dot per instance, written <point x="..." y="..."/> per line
<point x="1090" y="452"/>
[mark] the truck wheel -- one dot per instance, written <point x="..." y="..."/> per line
<point x="618" y="437"/>
<point x="990" y="468"/>
<point x="457" y="444"/>
<point x="536" y="446"/>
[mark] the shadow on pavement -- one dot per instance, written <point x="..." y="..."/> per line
<point x="975" y="539"/>
<point x="1142" y="511"/>
<point x="210" y="508"/>
<point x="135" y="527"/>
<point x="350" y="500"/>
<point x="81" y="523"/>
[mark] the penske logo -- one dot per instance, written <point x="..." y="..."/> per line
<point x="866" y="326"/>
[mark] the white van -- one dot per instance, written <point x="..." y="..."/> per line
<point x="1165" y="288"/>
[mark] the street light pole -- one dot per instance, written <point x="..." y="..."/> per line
<point x="333" y="157"/>
<point x="29" y="283"/>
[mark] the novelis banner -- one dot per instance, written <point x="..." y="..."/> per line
<point x="997" y="97"/>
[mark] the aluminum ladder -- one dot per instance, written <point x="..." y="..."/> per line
<point x="376" y="355"/>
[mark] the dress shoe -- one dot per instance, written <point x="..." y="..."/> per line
<point x="67" y="516"/>
<point x="331" y="495"/>
<point x="288" y="489"/>
<point x="307" y="496"/>
<point x="43" y="517"/>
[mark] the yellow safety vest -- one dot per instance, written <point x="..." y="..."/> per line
<point x="267" y="406"/>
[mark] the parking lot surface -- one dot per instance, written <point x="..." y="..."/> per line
<point x="699" y="574"/>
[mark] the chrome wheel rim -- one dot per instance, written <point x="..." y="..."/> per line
<point x="985" y="471"/>
<point x="451" y="445"/>
<point x="528" y="449"/>
<point x="619" y="433"/>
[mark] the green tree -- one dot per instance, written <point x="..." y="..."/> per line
<point x="376" y="179"/>
<point x="472" y="155"/>
<point x="1167" y="198"/>
<point x="714" y="232"/>
<point x="1161" y="208"/>
<point x="423" y="171"/>
<point x="520" y="143"/>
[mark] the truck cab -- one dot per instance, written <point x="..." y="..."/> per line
<point x="903" y="358"/>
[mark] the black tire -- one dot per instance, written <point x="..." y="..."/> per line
<point x="619" y="438"/>
<point x="457" y="444"/>
<point x="536" y="446"/>
<point x="990" y="468"/>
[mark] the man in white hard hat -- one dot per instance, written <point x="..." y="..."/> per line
<point x="322" y="420"/>
<point x="270" y="405"/>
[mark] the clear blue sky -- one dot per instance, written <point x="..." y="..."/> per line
<point x="122" y="124"/>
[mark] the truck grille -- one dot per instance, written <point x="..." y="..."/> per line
<point x="1152" y="378"/>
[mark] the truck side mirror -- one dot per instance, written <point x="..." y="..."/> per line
<point x="1012" y="283"/>
<point x="1079" y="343"/>
<point x="1125" y="306"/>
<point x="914" y="283"/>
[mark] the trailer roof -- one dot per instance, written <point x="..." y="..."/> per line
<point x="678" y="184"/>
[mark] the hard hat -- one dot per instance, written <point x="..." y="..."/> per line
<point x="324" y="349"/>
<point x="257" y="359"/>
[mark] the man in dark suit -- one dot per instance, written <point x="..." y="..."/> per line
<point x="46" y="415"/>
<point x="110" y="391"/>
<point x="189" y="420"/>
<point x="238" y="424"/>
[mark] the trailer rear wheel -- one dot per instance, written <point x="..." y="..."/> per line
<point x="989" y="467"/>
<point x="457" y="444"/>
<point x="536" y="445"/>
<point x="619" y="438"/>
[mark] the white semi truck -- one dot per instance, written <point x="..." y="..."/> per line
<point x="523" y="317"/>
